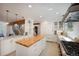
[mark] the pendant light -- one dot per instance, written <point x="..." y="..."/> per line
<point x="16" y="20"/>
<point x="22" y="17"/>
<point x="16" y="16"/>
<point x="7" y="11"/>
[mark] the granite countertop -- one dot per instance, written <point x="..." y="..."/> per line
<point x="29" y="41"/>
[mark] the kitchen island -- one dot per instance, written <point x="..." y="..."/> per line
<point x="30" y="46"/>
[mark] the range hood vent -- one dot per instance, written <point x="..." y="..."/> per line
<point x="72" y="20"/>
<point x="74" y="7"/>
<point x="74" y="17"/>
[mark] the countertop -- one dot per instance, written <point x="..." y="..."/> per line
<point x="12" y="37"/>
<point x="64" y="38"/>
<point x="27" y="42"/>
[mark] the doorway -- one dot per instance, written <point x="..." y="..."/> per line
<point x="36" y="29"/>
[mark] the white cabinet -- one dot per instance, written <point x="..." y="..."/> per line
<point x="7" y="46"/>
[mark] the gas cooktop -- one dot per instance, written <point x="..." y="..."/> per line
<point x="71" y="48"/>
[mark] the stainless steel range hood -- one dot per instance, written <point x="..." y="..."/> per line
<point x="73" y="13"/>
<point x="73" y="17"/>
<point x="74" y="7"/>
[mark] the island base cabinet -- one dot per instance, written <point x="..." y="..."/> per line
<point x="33" y="50"/>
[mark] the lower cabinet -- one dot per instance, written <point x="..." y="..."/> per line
<point x="7" y="46"/>
<point x="33" y="50"/>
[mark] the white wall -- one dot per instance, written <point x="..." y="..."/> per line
<point x="46" y="28"/>
<point x="75" y="32"/>
<point x="29" y="27"/>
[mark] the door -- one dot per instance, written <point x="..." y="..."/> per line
<point x="36" y="29"/>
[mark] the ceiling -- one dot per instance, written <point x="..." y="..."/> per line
<point x="37" y="11"/>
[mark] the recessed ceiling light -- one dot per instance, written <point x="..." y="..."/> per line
<point x="45" y="22"/>
<point x="57" y="12"/>
<point x="30" y="6"/>
<point x="7" y="23"/>
<point x="40" y="16"/>
<point x="50" y="9"/>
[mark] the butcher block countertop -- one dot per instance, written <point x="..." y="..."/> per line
<point x="27" y="42"/>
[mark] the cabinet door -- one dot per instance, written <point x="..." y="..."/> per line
<point x="7" y="46"/>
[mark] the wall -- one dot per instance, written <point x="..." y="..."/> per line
<point x="75" y="32"/>
<point x="46" y="28"/>
<point x="29" y="27"/>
